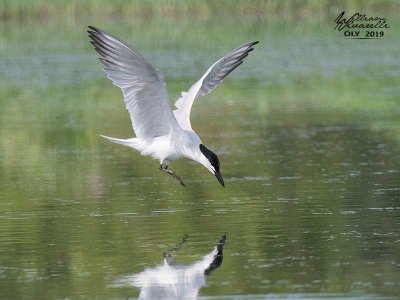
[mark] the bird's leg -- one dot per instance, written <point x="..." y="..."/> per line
<point x="172" y="173"/>
<point x="168" y="254"/>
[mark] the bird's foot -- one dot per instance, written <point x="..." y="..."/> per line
<point x="168" y="254"/>
<point x="173" y="174"/>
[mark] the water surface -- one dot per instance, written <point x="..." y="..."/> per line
<point x="308" y="137"/>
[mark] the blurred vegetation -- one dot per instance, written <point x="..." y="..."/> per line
<point x="293" y="11"/>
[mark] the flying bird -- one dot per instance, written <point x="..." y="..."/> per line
<point x="161" y="133"/>
<point x="171" y="280"/>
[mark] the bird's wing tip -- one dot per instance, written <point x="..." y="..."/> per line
<point x="253" y="43"/>
<point x="93" y="28"/>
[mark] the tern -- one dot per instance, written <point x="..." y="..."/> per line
<point x="171" y="280"/>
<point x="161" y="133"/>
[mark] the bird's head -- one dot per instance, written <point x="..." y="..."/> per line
<point x="211" y="162"/>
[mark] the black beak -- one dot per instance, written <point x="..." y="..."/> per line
<point x="220" y="179"/>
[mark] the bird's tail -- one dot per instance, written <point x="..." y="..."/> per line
<point x="132" y="143"/>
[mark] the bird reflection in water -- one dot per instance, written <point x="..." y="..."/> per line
<point x="174" y="281"/>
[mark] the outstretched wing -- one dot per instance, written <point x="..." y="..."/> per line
<point x="142" y="85"/>
<point x="214" y="75"/>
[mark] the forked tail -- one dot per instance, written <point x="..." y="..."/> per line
<point x="132" y="143"/>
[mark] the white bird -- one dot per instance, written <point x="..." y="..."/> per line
<point x="174" y="281"/>
<point x="161" y="133"/>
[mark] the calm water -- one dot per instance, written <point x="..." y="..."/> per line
<point x="307" y="131"/>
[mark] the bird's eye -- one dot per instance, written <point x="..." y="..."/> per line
<point x="211" y="156"/>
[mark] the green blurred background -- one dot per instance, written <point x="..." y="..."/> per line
<point x="307" y="131"/>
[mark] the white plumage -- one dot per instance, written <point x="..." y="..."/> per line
<point x="161" y="133"/>
<point x="175" y="281"/>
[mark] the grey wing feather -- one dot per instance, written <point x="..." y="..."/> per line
<point x="224" y="66"/>
<point x="214" y="75"/>
<point x="142" y="85"/>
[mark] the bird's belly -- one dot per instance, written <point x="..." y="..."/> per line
<point x="162" y="149"/>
